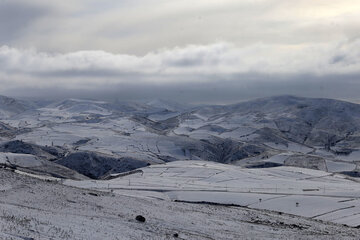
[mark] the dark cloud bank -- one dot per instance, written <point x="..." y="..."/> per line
<point x="214" y="92"/>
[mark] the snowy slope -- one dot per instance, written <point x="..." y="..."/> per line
<point x="32" y="164"/>
<point x="304" y="192"/>
<point x="37" y="209"/>
<point x="10" y="106"/>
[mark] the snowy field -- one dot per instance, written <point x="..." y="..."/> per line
<point x="36" y="209"/>
<point x="298" y="191"/>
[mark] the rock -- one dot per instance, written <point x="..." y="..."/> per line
<point x="140" y="218"/>
<point x="93" y="194"/>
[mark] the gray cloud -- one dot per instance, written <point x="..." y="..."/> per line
<point x="220" y="72"/>
<point x="242" y="87"/>
<point x="207" y="50"/>
<point x="16" y="17"/>
<point x="173" y="65"/>
<point x="138" y="27"/>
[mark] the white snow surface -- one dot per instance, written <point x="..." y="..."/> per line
<point x="36" y="209"/>
<point x="23" y="160"/>
<point x="303" y="192"/>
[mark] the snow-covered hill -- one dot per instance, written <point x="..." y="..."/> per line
<point x="309" y="193"/>
<point x="38" y="209"/>
<point x="10" y="106"/>
<point x="32" y="164"/>
<point x="320" y="134"/>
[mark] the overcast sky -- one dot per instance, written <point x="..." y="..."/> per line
<point x="195" y="51"/>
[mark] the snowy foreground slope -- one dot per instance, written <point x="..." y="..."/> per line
<point x="304" y="192"/>
<point x="36" y="209"/>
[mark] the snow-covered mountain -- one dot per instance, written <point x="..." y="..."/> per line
<point x="314" y="122"/>
<point x="328" y="129"/>
<point x="313" y="133"/>
<point x="10" y="106"/>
